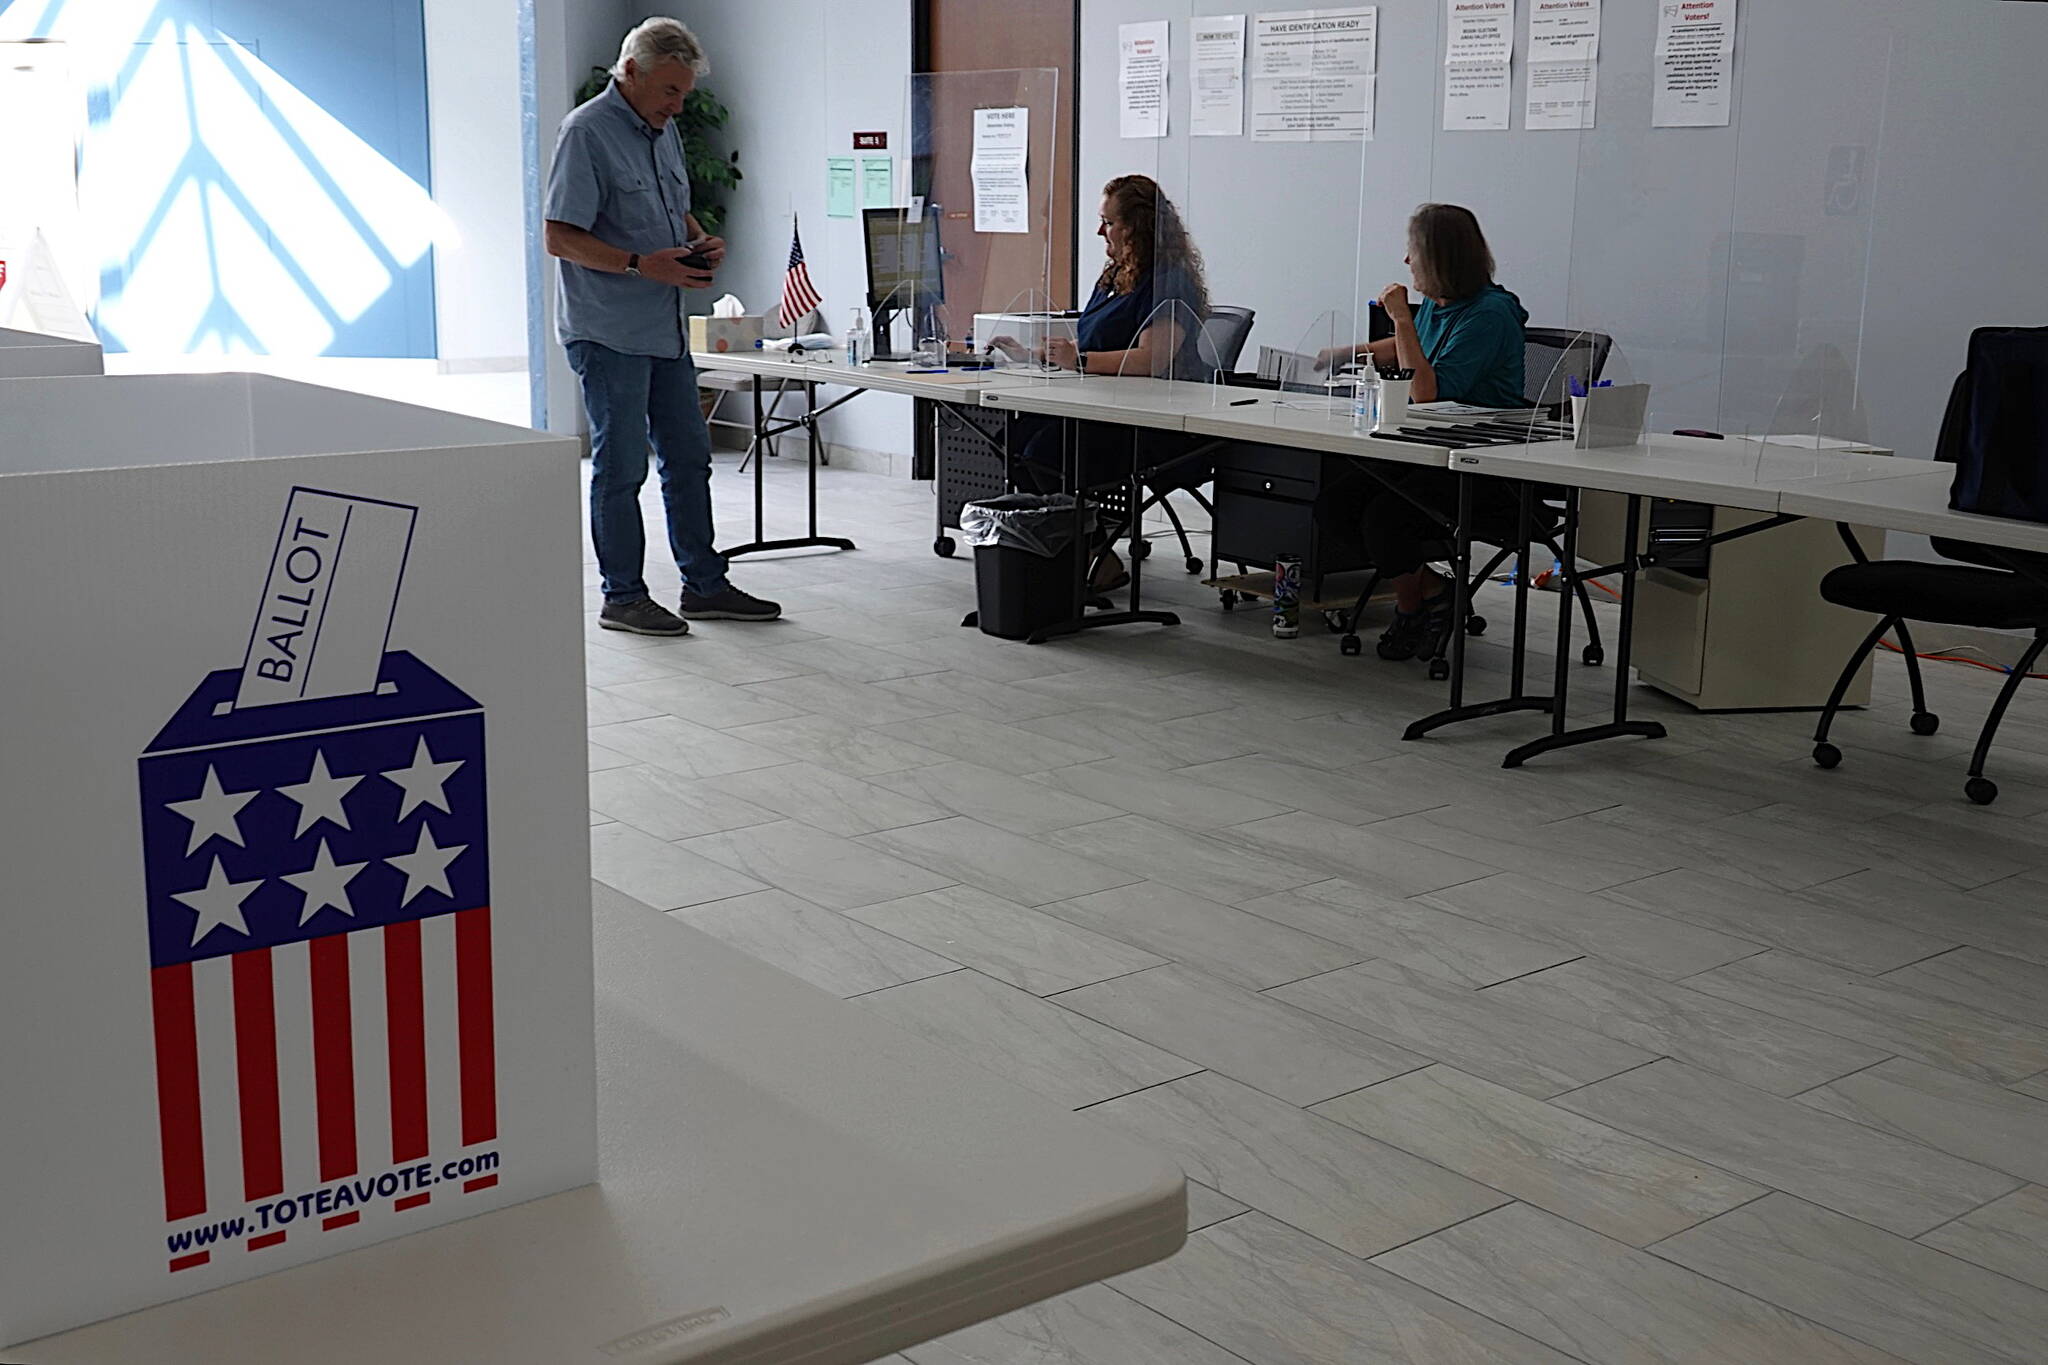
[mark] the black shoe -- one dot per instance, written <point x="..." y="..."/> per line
<point x="728" y="604"/>
<point x="1417" y="632"/>
<point x="644" y="616"/>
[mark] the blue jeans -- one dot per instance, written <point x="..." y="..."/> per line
<point x="629" y="398"/>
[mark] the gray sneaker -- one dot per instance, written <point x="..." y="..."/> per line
<point x="642" y="617"/>
<point x="730" y="604"/>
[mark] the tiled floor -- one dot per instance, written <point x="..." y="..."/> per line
<point x="1681" y="1051"/>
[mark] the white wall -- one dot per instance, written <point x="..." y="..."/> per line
<point x="570" y="37"/>
<point x="1627" y="229"/>
<point x="800" y="77"/>
<point x="473" y="127"/>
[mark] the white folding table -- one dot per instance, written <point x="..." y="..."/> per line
<point x="1768" y="477"/>
<point x="785" y="1178"/>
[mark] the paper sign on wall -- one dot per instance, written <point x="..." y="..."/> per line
<point x="1695" y="64"/>
<point x="1564" y="53"/>
<point x="877" y="182"/>
<point x="1562" y="95"/>
<point x="1564" y="30"/>
<point x="839" y="187"/>
<point x="1477" y="64"/>
<point x="1141" y="79"/>
<point x="1219" y="76"/>
<point x="1002" y="139"/>
<point x="1313" y="74"/>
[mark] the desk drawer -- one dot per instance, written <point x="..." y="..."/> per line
<point x="1252" y="484"/>
<point x="1271" y="460"/>
<point x="1257" y="528"/>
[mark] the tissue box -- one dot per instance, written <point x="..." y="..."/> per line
<point x="715" y="336"/>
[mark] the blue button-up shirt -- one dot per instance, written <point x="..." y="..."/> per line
<point x="624" y="182"/>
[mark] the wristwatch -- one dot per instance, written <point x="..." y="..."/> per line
<point x="1081" y="362"/>
<point x="633" y="264"/>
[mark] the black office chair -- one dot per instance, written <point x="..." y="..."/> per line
<point x="1224" y="332"/>
<point x="1988" y="587"/>
<point x="1554" y="356"/>
<point x="1227" y="328"/>
<point x="1992" y="588"/>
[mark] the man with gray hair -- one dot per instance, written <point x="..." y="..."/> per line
<point x="618" y="219"/>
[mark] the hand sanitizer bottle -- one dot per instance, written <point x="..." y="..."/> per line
<point x="1365" y="399"/>
<point x="857" y="339"/>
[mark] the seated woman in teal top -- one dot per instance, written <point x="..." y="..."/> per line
<point x="1464" y="342"/>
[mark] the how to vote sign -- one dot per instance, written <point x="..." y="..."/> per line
<point x="336" y="991"/>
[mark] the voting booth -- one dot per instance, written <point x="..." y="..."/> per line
<point x="299" y="951"/>
<point x="34" y="355"/>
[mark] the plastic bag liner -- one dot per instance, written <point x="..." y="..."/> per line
<point x="1042" y="523"/>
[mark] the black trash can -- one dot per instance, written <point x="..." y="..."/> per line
<point x="1027" y="548"/>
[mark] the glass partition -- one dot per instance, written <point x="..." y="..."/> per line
<point x="1801" y="223"/>
<point x="1725" y="252"/>
<point x="959" y="266"/>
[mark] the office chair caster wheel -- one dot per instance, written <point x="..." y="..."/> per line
<point x="1351" y="646"/>
<point x="1475" y="626"/>
<point x="1925" y="722"/>
<point x="1594" y="656"/>
<point x="1981" y="790"/>
<point x="1228" y="599"/>
<point x="1826" y="755"/>
<point x="1195" y="565"/>
<point x="943" y="547"/>
<point x="1141" y="549"/>
<point x="1439" y="669"/>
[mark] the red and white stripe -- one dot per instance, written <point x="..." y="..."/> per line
<point x="282" y="1070"/>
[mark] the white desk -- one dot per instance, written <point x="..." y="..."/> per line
<point x="1127" y="400"/>
<point x="785" y="1178"/>
<point x="885" y="376"/>
<point x="1300" y="422"/>
<point x="760" y="364"/>
<point x="1917" y="503"/>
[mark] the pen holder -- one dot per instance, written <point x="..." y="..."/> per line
<point x="1393" y="402"/>
<point x="1610" y="417"/>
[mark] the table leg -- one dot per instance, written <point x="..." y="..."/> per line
<point x="1620" y="727"/>
<point x="1517" y="698"/>
<point x="814" y="448"/>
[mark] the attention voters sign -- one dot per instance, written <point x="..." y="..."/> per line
<point x="346" y="997"/>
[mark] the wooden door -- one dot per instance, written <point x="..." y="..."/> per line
<point x="956" y="37"/>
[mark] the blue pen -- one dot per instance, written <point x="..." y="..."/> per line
<point x="1604" y="384"/>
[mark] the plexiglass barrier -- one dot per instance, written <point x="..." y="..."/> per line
<point x="959" y="270"/>
<point x="1173" y="342"/>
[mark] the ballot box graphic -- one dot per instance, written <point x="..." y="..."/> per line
<point x="299" y="857"/>
<point x="293" y="834"/>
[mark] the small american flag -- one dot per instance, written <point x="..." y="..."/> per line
<point x="799" y="296"/>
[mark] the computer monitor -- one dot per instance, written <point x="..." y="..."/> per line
<point x="905" y="265"/>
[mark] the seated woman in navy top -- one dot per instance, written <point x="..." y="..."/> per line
<point x="1464" y="342"/>
<point x="1144" y="318"/>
